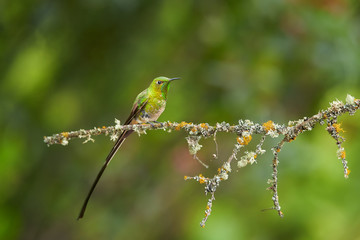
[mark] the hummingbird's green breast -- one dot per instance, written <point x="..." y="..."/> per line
<point x="154" y="108"/>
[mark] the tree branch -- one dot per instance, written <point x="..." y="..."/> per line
<point x="244" y="131"/>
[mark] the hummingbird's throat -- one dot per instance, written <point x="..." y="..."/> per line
<point x="164" y="89"/>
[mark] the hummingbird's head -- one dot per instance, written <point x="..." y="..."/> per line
<point x="161" y="85"/>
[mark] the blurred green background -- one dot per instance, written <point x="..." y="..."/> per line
<point x="67" y="65"/>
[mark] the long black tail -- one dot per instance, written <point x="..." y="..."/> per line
<point x="117" y="145"/>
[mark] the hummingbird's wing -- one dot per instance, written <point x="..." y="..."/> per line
<point x="139" y="105"/>
<point x="135" y="111"/>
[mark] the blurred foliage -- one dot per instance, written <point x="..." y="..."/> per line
<point x="66" y="65"/>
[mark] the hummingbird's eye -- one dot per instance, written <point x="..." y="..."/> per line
<point x="159" y="82"/>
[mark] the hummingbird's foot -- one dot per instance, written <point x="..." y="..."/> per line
<point x="152" y="123"/>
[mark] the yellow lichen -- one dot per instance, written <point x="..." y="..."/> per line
<point x="244" y="140"/>
<point x="201" y="179"/>
<point x="181" y="125"/>
<point x="269" y="125"/>
<point x="343" y="154"/>
<point x="204" y="125"/>
<point x="65" y="134"/>
<point x="292" y="139"/>
<point x="347" y="172"/>
<point x="186" y="177"/>
<point x="337" y="127"/>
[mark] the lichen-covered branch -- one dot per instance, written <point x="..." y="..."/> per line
<point x="244" y="131"/>
<point x="274" y="180"/>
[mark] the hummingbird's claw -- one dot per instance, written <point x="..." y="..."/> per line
<point x="152" y="123"/>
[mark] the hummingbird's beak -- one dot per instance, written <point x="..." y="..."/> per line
<point x="172" y="79"/>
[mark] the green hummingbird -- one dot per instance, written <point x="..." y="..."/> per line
<point x="148" y="107"/>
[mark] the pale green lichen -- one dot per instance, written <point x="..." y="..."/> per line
<point x="89" y="138"/>
<point x="139" y="130"/>
<point x="227" y="167"/>
<point x="350" y="99"/>
<point x="248" y="157"/>
<point x="242" y="163"/>
<point x="272" y="133"/>
<point x="64" y="142"/>
<point x="117" y="124"/>
<point x="337" y="104"/>
<point x="193" y="142"/>
<point x="113" y="137"/>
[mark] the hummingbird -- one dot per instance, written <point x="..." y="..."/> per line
<point x="147" y="108"/>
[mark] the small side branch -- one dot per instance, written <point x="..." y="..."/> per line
<point x="334" y="130"/>
<point x="274" y="180"/>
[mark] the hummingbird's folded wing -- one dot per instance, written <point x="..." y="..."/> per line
<point x="136" y="110"/>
